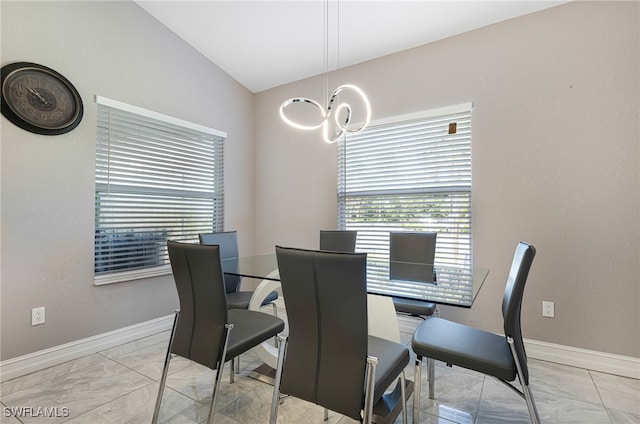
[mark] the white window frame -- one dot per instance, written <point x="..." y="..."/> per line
<point x="127" y="137"/>
<point x="373" y="173"/>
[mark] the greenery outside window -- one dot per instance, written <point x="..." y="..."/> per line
<point x="411" y="173"/>
<point x="157" y="178"/>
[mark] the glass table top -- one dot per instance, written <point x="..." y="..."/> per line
<point x="447" y="285"/>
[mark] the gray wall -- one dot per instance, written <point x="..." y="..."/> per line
<point x="116" y="50"/>
<point x="556" y="162"/>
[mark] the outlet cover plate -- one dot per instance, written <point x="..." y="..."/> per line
<point x="37" y="316"/>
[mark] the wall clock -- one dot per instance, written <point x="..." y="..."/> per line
<point x="39" y="99"/>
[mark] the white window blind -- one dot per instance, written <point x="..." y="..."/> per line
<point x="157" y="178"/>
<point x="410" y="175"/>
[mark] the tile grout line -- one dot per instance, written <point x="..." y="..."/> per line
<point x="604" y="406"/>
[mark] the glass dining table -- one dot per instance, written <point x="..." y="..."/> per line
<point x="444" y="285"/>
<point x="440" y="284"/>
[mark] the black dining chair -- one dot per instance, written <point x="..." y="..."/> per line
<point x="500" y="356"/>
<point x="204" y="329"/>
<point x="328" y="357"/>
<point x="338" y="240"/>
<point x="411" y="257"/>
<point x="236" y="298"/>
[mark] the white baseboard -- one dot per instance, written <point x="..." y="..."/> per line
<point x="609" y="363"/>
<point x="42" y="359"/>
<point x="625" y="366"/>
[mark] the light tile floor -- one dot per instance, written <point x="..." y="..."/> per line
<point x="119" y="385"/>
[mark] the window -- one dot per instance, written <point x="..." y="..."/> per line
<point x="412" y="174"/>
<point x="157" y="178"/>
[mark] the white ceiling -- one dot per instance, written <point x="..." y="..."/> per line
<point x="267" y="43"/>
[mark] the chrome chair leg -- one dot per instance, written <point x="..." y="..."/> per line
<point x="165" y="370"/>
<point x="367" y="416"/>
<point x="232" y="370"/>
<point x="531" y="405"/>
<point x="417" y="377"/>
<point x="431" y="369"/>
<point x="275" y="400"/>
<point x="326" y="414"/>
<point x="275" y="314"/>
<point x="526" y="391"/>
<point x="404" y="397"/>
<point x="216" y="385"/>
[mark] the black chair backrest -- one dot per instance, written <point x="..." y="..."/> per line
<point x="512" y="300"/>
<point x="199" y="280"/>
<point x="228" y="242"/>
<point x="411" y="256"/>
<point x="338" y="240"/>
<point x="325" y="294"/>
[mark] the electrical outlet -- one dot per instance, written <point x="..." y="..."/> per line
<point x="37" y="316"/>
<point x="548" y="309"/>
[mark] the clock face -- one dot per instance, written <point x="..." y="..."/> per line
<point x="39" y="99"/>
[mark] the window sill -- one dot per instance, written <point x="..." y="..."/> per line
<point x="138" y="274"/>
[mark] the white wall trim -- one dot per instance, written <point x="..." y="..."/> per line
<point x="625" y="366"/>
<point x="36" y="361"/>
<point x="609" y="363"/>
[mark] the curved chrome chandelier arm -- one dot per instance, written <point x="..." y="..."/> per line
<point x="344" y="127"/>
<point x="294" y="124"/>
<point x="365" y="102"/>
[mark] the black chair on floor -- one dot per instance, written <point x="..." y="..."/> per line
<point x="338" y="240"/>
<point x="328" y="357"/>
<point x="236" y="298"/>
<point x="204" y="330"/>
<point x="500" y="356"/>
<point x="411" y="257"/>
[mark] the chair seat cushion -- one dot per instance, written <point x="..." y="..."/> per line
<point x="392" y="358"/>
<point x="250" y="328"/>
<point x="465" y="346"/>
<point x="414" y="306"/>
<point x="241" y="299"/>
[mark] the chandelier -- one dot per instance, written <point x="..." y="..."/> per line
<point x="340" y="114"/>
